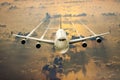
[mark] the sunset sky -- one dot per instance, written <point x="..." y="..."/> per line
<point x="25" y="62"/>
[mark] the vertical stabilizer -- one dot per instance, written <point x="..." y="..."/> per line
<point x="48" y="16"/>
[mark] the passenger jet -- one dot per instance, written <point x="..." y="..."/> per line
<point x="61" y="42"/>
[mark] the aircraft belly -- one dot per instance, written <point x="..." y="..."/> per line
<point x="62" y="46"/>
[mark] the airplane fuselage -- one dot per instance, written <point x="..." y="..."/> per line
<point x="61" y="42"/>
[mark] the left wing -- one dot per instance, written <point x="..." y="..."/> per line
<point x="87" y="38"/>
<point x="37" y="39"/>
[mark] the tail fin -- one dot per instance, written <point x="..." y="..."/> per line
<point x="48" y="15"/>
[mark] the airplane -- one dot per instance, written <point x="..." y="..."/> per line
<point x="61" y="42"/>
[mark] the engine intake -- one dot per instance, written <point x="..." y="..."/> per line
<point x="38" y="45"/>
<point x="84" y="44"/>
<point x="98" y="39"/>
<point x="23" y="41"/>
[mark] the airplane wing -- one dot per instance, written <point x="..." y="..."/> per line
<point x="87" y="38"/>
<point x="37" y="39"/>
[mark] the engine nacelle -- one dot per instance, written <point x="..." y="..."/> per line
<point x="38" y="45"/>
<point x="98" y="39"/>
<point x="84" y="44"/>
<point x="23" y="41"/>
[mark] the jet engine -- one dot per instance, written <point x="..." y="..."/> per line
<point x="23" y="41"/>
<point x="38" y="45"/>
<point x="84" y="44"/>
<point x="98" y="39"/>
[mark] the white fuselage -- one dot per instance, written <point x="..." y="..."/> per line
<point x="61" y="42"/>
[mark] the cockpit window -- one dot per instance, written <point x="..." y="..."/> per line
<point x="61" y="39"/>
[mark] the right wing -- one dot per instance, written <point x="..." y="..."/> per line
<point x="37" y="39"/>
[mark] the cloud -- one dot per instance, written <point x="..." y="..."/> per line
<point x="5" y="4"/>
<point x="12" y="7"/>
<point x="109" y="14"/>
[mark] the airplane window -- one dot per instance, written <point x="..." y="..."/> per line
<point x="61" y="39"/>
